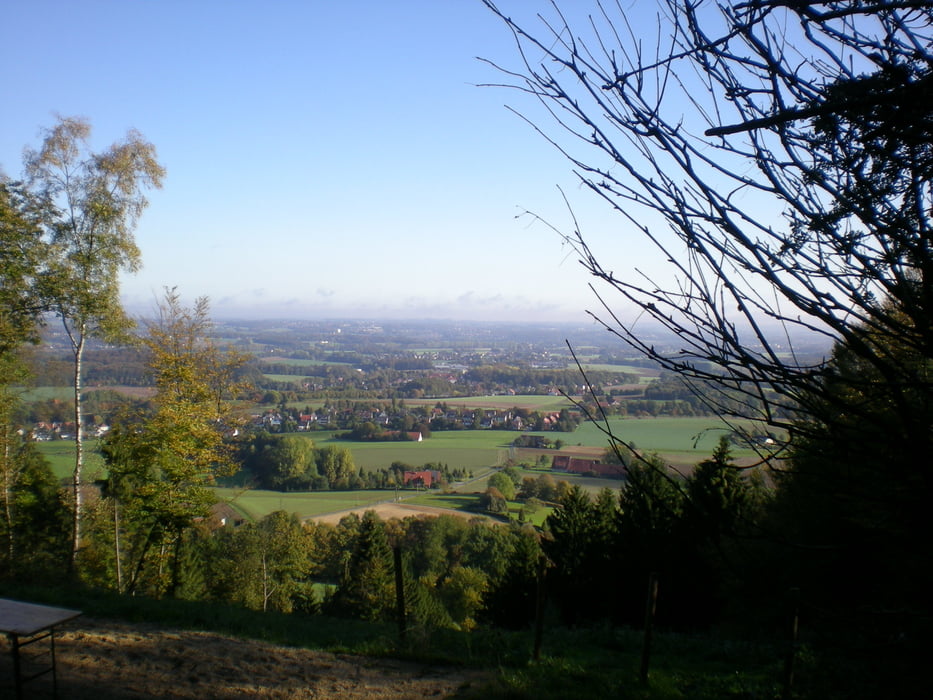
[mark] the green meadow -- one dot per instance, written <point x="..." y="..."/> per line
<point x="60" y="455"/>
<point x="284" y="378"/>
<point x="465" y="449"/>
<point x="44" y="393"/>
<point x="462" y="502"/>
<point x="468" y="503"/>
<point x="680" y="440"/>
<point x="297" y="362"/>
<point x="654" y="434"/>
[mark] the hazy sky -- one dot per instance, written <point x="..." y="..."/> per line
<point x="323" y="158"/>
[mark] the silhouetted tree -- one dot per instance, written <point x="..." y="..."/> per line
<point x="778" y="156"/>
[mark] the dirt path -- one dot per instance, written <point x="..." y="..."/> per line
<point x="102" y="660"/>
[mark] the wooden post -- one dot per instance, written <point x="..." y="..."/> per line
<point x="399" y="592"/>
<point x="651" y="604"/>
<point x="790" y="658"/>
<point x="539" y="608"/>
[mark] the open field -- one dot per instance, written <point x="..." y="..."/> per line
<point x="532" y="402"/>
<point x="463" y="502"/>
<point x="466" y="449"/>
<point x="285" y="378"/>
<point x="644" y="373"/>
<point x="400" y="511"/>
<point x="681" y="441"/>
<point x="44" y="393"/>
<point x="330" y="506"/>
<point x="61" y="457"/>
<point x="294" y="362"/>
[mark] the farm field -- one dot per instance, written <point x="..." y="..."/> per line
<point x="64" y="393"/>
<point x="330" y="506"/>
<point x="644" y="373"/>
<point x="532" y="402"/>
<point x="285" y="378"/>
<point x="44" y="393"/>
<point x="466" y="449"/>
<point x="681" y="441"/>
<point x="294" y="362"/>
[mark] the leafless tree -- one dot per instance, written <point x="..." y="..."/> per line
<point x="777" y="154"/>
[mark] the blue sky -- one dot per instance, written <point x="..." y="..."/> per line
<point x="324" y="159"/>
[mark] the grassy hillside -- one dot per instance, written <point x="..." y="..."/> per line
<point x="581" y="663"/>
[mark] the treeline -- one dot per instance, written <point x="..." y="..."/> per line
<point x="457" y="573"/>
<point x="100" y="406"/>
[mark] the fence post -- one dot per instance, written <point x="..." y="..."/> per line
<point x="399" y="592"/>
<point x="539" y="607"/>
<point x="790" y="658"/>
<point x="650" y="606"/>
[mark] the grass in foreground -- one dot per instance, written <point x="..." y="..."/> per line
<point x="598" y="662"/>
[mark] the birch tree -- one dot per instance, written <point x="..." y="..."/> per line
<point x="93" y="201"/>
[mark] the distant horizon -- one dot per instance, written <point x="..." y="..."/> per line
<point x="470" y="309"/>
<point x="586" y="323"/>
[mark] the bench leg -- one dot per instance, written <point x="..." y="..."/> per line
<point x="17" y="672"/>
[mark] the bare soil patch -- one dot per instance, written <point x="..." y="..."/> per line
<point x="388" y="511"/>
<point x="105" y="660"/>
